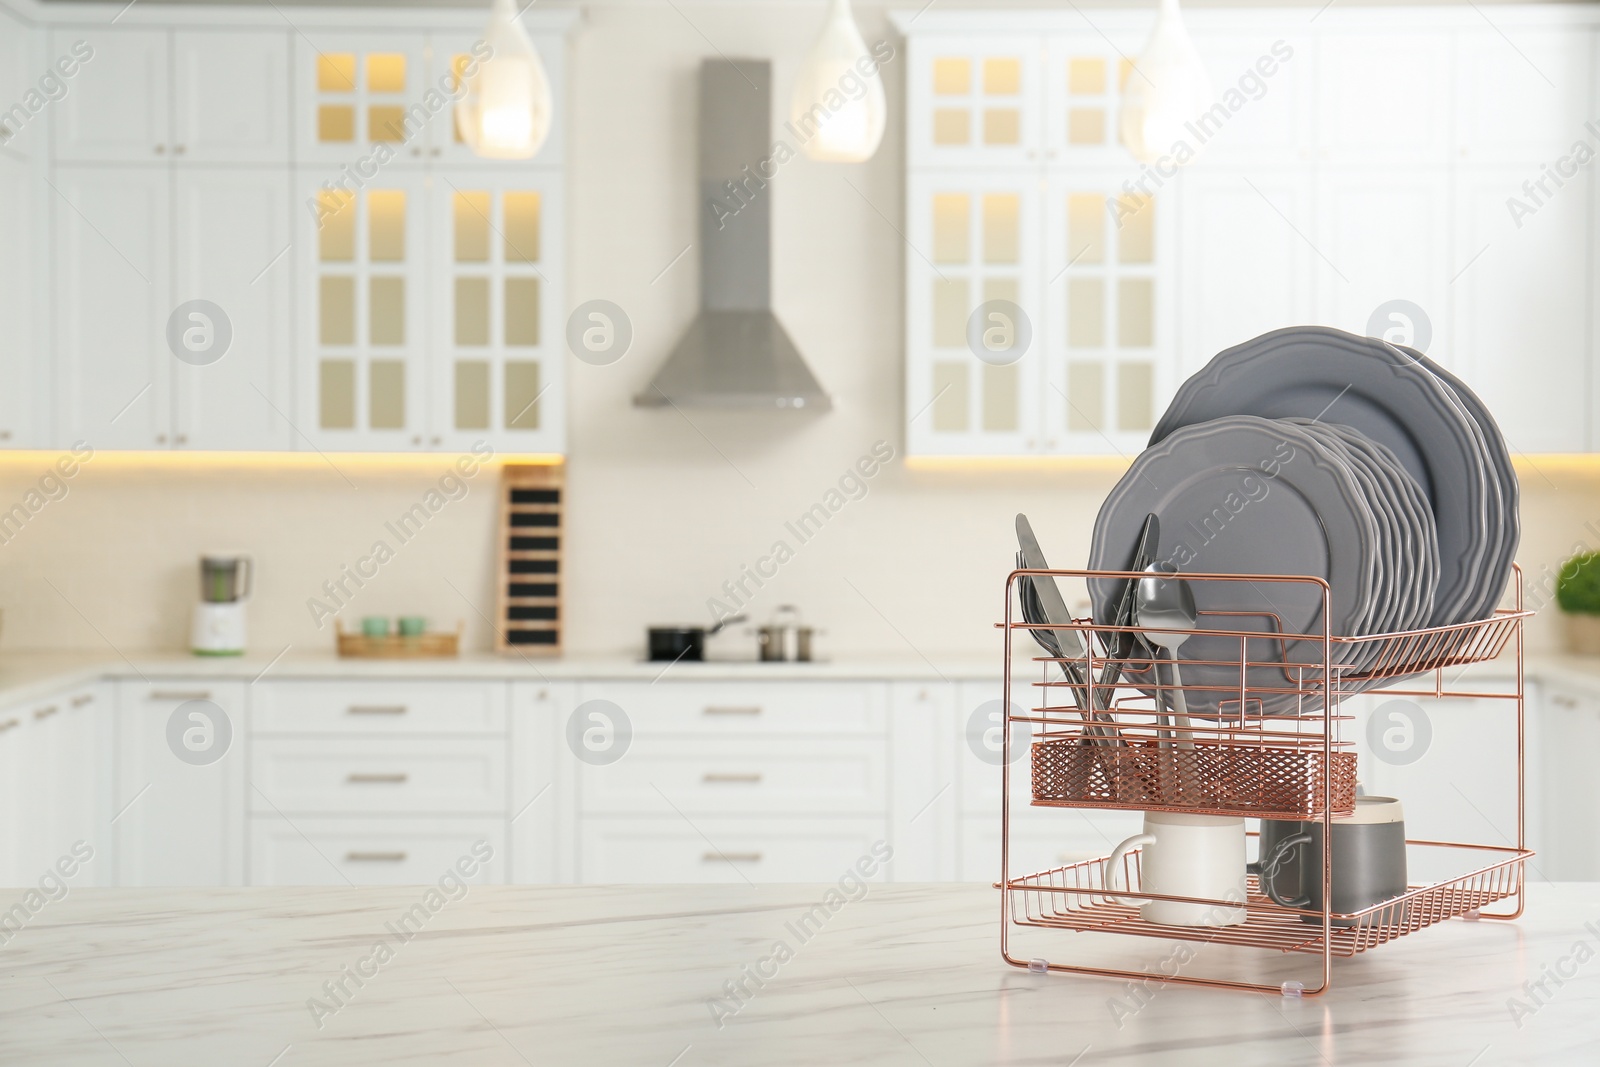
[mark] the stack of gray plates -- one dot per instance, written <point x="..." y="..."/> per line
<point x="1310" y="451"/>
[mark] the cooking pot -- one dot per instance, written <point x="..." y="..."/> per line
<point x="784" y="639"/>
<point x="673" y="643"/>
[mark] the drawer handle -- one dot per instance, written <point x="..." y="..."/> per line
<point x="1563" y="702"/>
<point x="81" y="699"/>
<point x="713" y="777"/>
<point x="377" y="709"/>
<point x="180" y="694"/>
<point x="751" y="710"/>
<point x="377" y="779"/>
<point x="731" y="857"/>
<point x="374" y="857"/>
<point x="9" y="724"/>
<point x="46" y="711"/>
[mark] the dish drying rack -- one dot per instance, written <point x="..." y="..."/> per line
<point x="1271" y="748"/>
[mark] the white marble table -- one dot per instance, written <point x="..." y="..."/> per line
<point x="625" y="975"/>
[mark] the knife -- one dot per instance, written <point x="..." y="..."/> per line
<point x="1056" y="614"/>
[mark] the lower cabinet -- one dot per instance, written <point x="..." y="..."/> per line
<point x="179" y="787"/>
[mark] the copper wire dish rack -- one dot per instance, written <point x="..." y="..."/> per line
<point x="1270" y="746"/>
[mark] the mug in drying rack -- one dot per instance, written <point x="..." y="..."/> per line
<point x="1369" y="861"/>
<point x="1186" y="856"/>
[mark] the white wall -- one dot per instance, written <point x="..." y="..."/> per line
<point x="662" y="511"/>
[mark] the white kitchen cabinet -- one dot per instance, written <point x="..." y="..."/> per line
<point x="1517" y="95"/>
<point x="66" y="804"/>
<point x="17" y="854"/>
<point x="1383" y="235"/>
<point x="978" y="252"/>
<point x="1384" y="97"/>
<point x="1450" y="762"/>
<point x="1242" y="266"/>
<point x="1108" y="336"/>
<point x="924" y="796"/>
<point x="382" y="776"/>
<point x="1265" y="84"/>
<point x="21" y="421"/>
<point x="113" y="377"/>
<point x="364" y="306"/>
<point x="497" y="355"/>
<point x="1536" y="268"/>
<point x="974" y="100"/>
<point x="379" y="707"/>
<point x="230" y="96"/>
<point x="119" y="105"/>
<point x="363" y="95"/>
<point x="231" y="239"/>
<point x="1565" y="787"/>
<point x="356" y="852"/>
<point x="179" y="822"/>
<point x="543" y="813"/>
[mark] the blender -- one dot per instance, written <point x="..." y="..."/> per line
<point x="218" y="628"/>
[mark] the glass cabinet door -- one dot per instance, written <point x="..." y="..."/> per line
<point x="974" y="318"/>
<point x="363" y="99"/>
<point x="974" y="100"/>
<point x="1109" y="344"/>
<point x="365" y="313"/>
<point x="1082" y="85"/>
<point x="498" y="311"/>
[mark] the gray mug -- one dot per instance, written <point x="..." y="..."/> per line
<point x="1369" y="861"/>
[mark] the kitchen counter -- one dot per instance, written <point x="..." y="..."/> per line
<point x="618" y="974"/>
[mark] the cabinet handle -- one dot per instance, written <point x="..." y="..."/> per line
<point x="437" y="153"/>
<point x="436" y="439"/>
<point x="416" y="152"/>
<point x="81" y="699"/>
<point x="731" y="857"/>
<point x="751" y="710"/>
<point x="161" y="149"/>
<point x="377" y="779"/>
<point x="181" y="439"/>
<point x="417" y="440"/>
<point x="161" y="438"/>
<point x="713" y="777"/>
<point x="374" y="857"/>
<point x="377" y="709"/>
<point x="5" y="435"/>
<point x="180" y="694"/>
<point x="1563" y="701"/>
<point x="179" y="150"/>
<point x="46" y="711"/>
<point x="9" y="724"/>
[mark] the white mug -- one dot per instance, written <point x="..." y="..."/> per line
<point x="1186" y="856"/>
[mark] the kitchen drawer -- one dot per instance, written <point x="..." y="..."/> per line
<point x="761" y="850"/>
<point x="831" y="708"/>
<point x="378" y="776"/>
<point x="338" y="852"/>
<point x="378" y="707"/>
<point x="737" y="776"/>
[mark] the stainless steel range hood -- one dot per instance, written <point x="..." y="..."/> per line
<point x="736" y="354"/>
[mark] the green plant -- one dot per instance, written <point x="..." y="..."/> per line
<point x="1578" y="584"/>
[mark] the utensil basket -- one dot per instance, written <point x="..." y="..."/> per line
<point x="1268" y="744"/>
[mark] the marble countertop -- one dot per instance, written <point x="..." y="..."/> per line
<point x="640" y="975"/>
<point x="28" y="675"/>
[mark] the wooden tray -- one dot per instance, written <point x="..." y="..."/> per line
<point x="436" y="645"/>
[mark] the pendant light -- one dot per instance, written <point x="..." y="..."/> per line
<point x="506" y="108"/>
<point x="1168" y="89"/>
<point x="838" y="110"/>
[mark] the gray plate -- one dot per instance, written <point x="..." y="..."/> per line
<point x="1507" y="524"/>
<point x="1321" y="373"/>
<point x="1245" y="495"/>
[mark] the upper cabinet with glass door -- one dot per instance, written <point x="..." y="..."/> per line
<point x="974" y="101"/>
<point x="365" y="97"/>
<point x="498" y="337"/>
<point x="363" y="100"/>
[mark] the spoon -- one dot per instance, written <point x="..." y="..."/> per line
<point x="1166" y="609"/>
